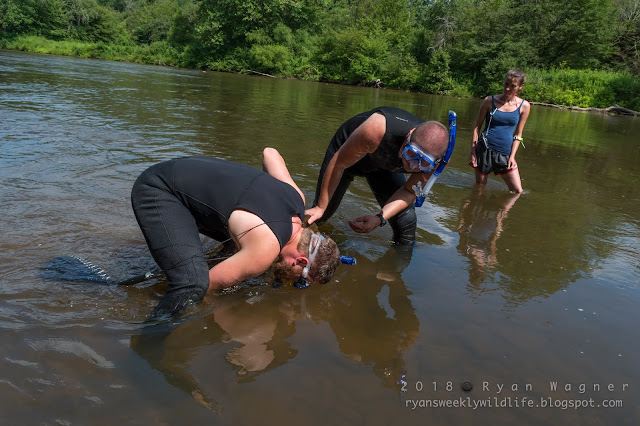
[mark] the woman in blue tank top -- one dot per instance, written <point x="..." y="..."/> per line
<point x="504" y="116"/>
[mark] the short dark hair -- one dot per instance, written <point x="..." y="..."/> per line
<point x="433" y="136"/>
<point x="326" y="260"/>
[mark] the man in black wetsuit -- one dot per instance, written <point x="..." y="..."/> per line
<point x="381" y="145"/>
<point x="261" y="211"/>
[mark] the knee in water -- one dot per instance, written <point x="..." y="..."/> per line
<point x="405" y="220"/>
<point x="174" y="302"/>
<point x="404" y="227"/>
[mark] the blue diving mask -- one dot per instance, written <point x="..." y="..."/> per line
<point x="303" y="281"/>
<point x="421" y="192"/>
<point x="418" y="158"/>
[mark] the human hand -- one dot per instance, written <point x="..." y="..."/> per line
<point x="512" y="164"/>
<point x="314" y="213"/>
<point x="473" y="159"/>
<point x="364" y="224"/>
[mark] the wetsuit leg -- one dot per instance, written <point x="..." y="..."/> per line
<point x="174" y="241"/>
<point x="384" y="184"/>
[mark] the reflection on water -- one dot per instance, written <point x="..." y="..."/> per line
<point x="481" y="224"/>
<point x="372" y="320"/>
<point x="499" y="288"/>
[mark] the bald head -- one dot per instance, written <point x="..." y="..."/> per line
<point x="432" y="137"/>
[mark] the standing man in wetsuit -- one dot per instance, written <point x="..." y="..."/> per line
<point x="261" y="211"/>
<point x="381" y="145"/>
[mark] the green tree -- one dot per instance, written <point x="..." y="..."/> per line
<point x="352" y="55"/>
<point x="228" y="22"/>
<point x="627" y="38"/>
<point x="495" y="35"/>
<point x="271" y="54"/>
<point x="151" y="22"/>
<point x="35" y="17"/>
<point x="575" y="33"/>
<point x="436" y="75"/>
<point x="89" y="21"/>
<point x="182" y="30"/>
<point x="282" y="51"/>
<point x="435" y="28"/>
<point x="367" y="40"/>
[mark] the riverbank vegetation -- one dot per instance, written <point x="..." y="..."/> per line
<point x="576" y="52"/>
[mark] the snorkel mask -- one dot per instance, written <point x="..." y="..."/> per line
<point x="303" y="281"/>
<point x="421" y="193"/>
<point x="417" y="158"/>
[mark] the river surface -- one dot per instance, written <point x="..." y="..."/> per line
<point x="511" y="294"/>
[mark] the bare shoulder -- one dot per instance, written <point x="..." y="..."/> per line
<point x="374" y="128"/>
<point x="364" y="139"/>
<point x="249" y="231"/>
<point x="487" y="102"/>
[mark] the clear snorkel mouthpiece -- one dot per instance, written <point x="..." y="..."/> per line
<point x="303" y="281"/>
<point x="421" y="193"/>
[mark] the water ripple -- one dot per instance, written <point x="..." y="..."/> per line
<point x="72" y="347"/>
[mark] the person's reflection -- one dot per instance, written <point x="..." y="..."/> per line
<point x="248" y="329"/>
<point x="371" y="314"/>
<point x="259" y="327"/>
<point x="480" y="226"/>
<point x="369" y="311"/>
<point x="157" y="346"/>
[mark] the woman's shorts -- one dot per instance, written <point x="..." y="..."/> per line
<point x="491" y="161"/>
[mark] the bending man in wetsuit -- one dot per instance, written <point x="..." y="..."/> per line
<point x="381" y="145"/>
<point x="175" y="201"/>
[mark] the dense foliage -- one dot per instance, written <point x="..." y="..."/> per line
<point x="577" y="52"/>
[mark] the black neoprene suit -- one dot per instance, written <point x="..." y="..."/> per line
<point x="176" y="200"/>
<point x="382" y="168"/>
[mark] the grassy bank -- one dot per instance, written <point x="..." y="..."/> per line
<point x="159" y="53"/>
<point x="567" y="87"/>
<point x="583" y="88"/>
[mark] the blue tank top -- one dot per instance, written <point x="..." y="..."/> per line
<point x="501" y="128"/>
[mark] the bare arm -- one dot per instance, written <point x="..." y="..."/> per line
<point x="485" y="107"/>
<point x="364" y="140"/>
<point x="239" y="267"/>
<point x="524" y="114"/>
<point x="258" y="249"/>
<point x="273" y="163"/>
<point x="400" y="200"/>
<point x="257" y="245"/>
